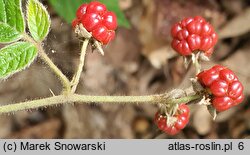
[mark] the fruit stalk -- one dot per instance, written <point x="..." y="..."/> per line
<point x="77" y="76"/>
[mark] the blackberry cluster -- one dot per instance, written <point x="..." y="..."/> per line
<point x="193" y="34"/>
<point x="97" y="20"/>
<point x="223" y="84"/>
<point x="182" y="119"/>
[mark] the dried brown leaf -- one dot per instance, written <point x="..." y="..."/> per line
<point x="48" y="129"/>
<point x="202" y="120"/>
<point x="237" y="26"/>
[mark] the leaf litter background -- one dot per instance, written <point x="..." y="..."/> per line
<point x="139" y="61"/>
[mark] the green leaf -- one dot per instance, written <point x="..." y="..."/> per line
<point x="67" y="9"/>
<point x="8" y="33"/>
<point x="11" y="13"/>
<point x="38" y="20"/>
<point x="16" y="57"/>
<point x="12" y="22"/>
<point x="113" y="5"/>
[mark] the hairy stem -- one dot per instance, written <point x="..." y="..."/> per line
<point x="183" y="99"/>
<point x="77" y="76"/>
<point x="83" y="99"/>
<point x="64" y="80"/>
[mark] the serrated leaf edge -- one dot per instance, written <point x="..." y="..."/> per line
<point x="21" y="12"/>
<point x="18" y="37"/>
<point x="27" y="16"/>
<point x="26" y="66"/>
<point x="5" y="21"/>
